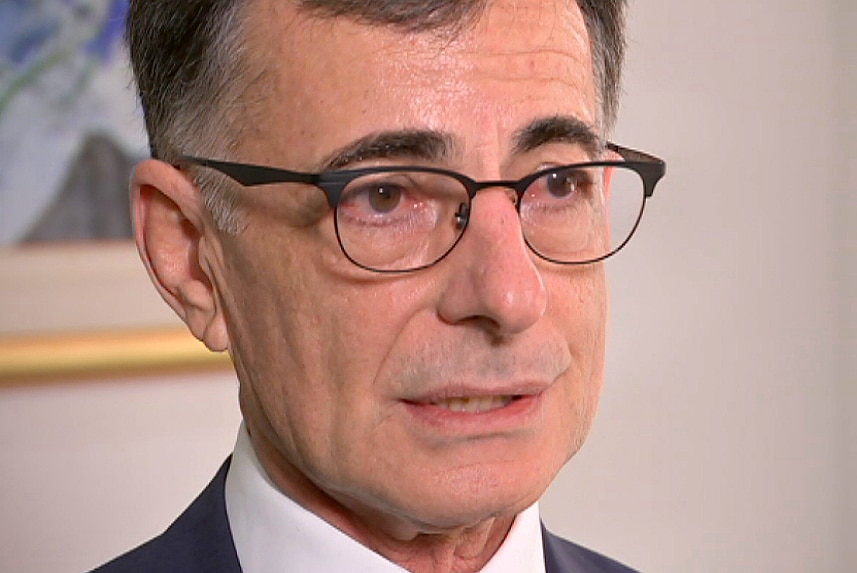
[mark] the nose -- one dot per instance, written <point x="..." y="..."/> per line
<point x="492" y="277"/>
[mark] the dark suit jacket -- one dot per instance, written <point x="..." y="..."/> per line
<point x="200" y="541"/>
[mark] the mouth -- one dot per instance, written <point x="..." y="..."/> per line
<point x="474" y="404"/>
<point x="472" y="414"/>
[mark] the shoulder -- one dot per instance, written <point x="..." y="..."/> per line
<point x="199" y="540"/>
<point x="562" y="556"/>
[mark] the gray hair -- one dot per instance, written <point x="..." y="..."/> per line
<point x="188" y="58"/>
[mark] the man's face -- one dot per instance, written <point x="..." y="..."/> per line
<point x="439" y="398"/>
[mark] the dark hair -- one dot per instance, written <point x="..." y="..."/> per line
<point x="188" y="60"/>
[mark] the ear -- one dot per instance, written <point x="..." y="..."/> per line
<point x="174" y="238"/>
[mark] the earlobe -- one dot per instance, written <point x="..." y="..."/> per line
<point x="171" y="229"/>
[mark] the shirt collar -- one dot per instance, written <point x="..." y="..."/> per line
<point x="273" y="533"/>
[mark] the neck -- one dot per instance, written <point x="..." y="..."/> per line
<point x="463" y="550"/>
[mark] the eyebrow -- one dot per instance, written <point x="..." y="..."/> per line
<point x="424" y="145"/>
<point x="436" y="146"/>
<point x="558" y="129"/>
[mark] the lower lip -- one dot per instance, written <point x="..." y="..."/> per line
<point x="518" y="415"/>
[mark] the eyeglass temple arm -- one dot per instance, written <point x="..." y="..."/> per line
<point x="651" y="168"/>
<point x="251" y="175"/>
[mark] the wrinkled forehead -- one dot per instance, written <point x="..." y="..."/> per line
<point x="490" y="26"/>
<point x="344" y="69"/>
<point x="296" y="34"/>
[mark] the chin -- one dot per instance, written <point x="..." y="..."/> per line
<point x="467" y="498"/>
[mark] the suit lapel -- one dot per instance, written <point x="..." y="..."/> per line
<point x="201" y="538"/>
<point x="563" y="556"/>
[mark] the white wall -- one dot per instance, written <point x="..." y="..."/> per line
<point x="845" y="18"/>
<point x="721" y="444"/>
<point x="726" y="438"/>
<point x="90" y="470"/>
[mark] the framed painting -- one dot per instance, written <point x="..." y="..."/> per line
<point x="74" y="298"/>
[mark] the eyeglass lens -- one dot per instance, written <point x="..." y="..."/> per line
<point x="403" y="220"/>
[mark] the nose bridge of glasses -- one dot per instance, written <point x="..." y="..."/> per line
<point x="510" y="188"/>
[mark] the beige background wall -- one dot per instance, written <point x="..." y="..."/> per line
<point x="726" y="438"/>
<point x="845" y="18"/>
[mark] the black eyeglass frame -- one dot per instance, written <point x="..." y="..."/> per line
<point x="651" y="169"/>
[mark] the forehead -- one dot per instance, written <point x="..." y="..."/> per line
<point x="323" y="82"/>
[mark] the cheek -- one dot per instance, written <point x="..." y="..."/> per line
<point x="309" y="343"/>
<point x="365" y="324"/>
<point x="276" y="332"/>
<point x="578" y="309"/>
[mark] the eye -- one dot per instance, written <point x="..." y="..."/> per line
<point x="384" y="198"/>
<point x="562" y="191"/>
<point x="561" y="184"/>
<point x="402" y="199"/>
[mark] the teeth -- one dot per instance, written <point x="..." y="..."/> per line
<point x="474" y="405"/>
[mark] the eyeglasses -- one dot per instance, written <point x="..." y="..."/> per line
<point x="398" y="219"/>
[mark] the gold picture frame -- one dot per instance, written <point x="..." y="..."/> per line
<point x="73" y="311"/>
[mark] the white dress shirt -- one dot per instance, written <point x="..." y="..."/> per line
<point x="272" y="533"/>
